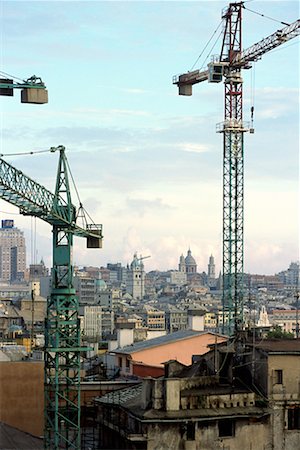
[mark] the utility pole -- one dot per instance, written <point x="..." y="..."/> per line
<point x="32" y="321"/>
<point x="297" y="314"/>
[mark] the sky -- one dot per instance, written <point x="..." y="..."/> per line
<point x="147" y="162"/>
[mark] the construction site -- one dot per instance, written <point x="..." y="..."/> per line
<point x="228" y="387"/>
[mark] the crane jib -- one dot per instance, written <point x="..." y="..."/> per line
<point x="31" y="197"/>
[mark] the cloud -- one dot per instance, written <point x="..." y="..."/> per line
<point x="143" y="206"/>
<point x="194" y="148"/>
<point x="265" y="257"/>
<point x="274" y="103"/>
<point x="135" y="91"/>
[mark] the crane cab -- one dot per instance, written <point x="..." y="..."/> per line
<point x="215" y="72"/>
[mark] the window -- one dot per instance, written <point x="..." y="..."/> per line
<point x="190" y="431"/>
<point x="278" y="376"/>
<point x="294" y="418"/>
<point x="120" y="362"/>
<point x="226" y="428"/>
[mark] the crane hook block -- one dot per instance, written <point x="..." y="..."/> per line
<point x="34" y="95"/>
<point x="95" y="238"/>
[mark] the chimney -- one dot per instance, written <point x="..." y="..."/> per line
<point x="196" y="319"/>
<point x="125" y="334"/>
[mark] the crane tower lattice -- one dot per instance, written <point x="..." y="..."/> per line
<point x="228" y="66"/>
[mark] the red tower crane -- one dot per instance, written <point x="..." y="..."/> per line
<point x="228" y="66"/>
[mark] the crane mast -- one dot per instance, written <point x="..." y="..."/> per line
<point x="228" y="66"/>
<point x="233" y="171"/>
<point x="62" y="330"/>
<point x="62" y="327"/>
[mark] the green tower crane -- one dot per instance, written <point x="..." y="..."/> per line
<point x="228" y="66"/>
<point x="62" y="328"/>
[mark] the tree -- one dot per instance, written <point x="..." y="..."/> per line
<point x="278" y="333"/>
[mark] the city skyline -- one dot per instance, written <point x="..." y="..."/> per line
<point x="148" y="163"/>
<point x="189" y="253"/>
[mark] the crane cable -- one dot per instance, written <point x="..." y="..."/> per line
<point x="267" y="17"/>
<point x="208" y="42"/>
<point x="252" y="94"/>
<point x="81" y="213"/>
<point x="11" y="76"/>
<point x="33" y="241"/>
<point x="209" y="53"/>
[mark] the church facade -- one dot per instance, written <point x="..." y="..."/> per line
<point x="187" y="264"/>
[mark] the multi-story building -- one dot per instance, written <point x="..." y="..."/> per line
<point x="177" y="277"/>
<point x="291" y="276"/>
<point x="271" y="282"/>
<point x="14" y="291"/>
<point x="10" y="319"/>
<point x="85" y="288"/>
<point x="153" y="318"/>
<point x="176" y="319"/>
<point x="12" y="252"/>
<point x="286" y="318"/>
<point x="92" y="321"/>
<point x="233" y="397"/>
<point x="107" y="323"/>
<point x="105" y="299"/>
<point x="117" y="272"/>
<point x="36" y="271"/>
<point x="214" y="319"/>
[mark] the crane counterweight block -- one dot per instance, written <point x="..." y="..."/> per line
<point x="34" y="95"/>
<point x="94" y="240"/>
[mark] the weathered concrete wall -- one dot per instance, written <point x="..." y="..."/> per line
<point x="164" y="437"/>
<point x="277" y="426"/>
<point x="290" y="366"/>
<point x="248" y="436"/>
<point x="22" y="395"/>
<point x="172" y="394"/>
<point x="292" y="439"/>
<point x="282" y="438"/>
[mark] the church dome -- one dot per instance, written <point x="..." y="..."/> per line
<point x="189" y="260"/>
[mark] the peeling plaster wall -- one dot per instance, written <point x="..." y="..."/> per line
<point x="248" y="436"/>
